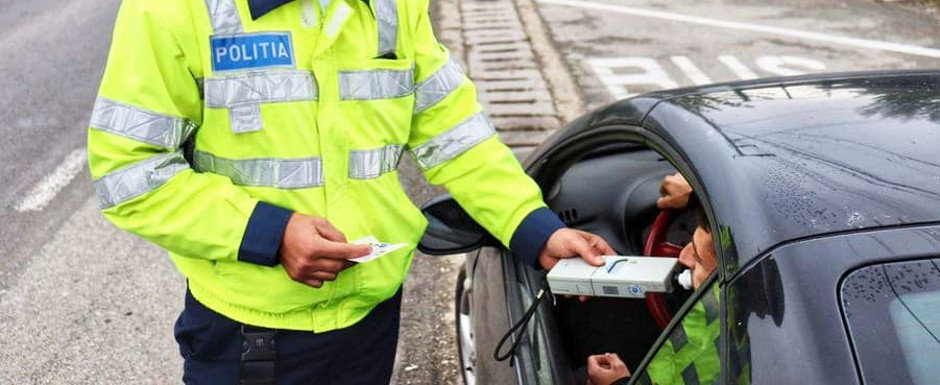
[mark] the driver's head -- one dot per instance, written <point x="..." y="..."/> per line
<point x="699" y="255"/>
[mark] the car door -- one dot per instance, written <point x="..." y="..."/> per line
<point x="540" y="358"/>
<point x="488" y="299"/>
<point x="503" y="287"/>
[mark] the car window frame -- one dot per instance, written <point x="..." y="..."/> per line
<point x="640" y="135"/>
<point x="682" y="164"/>
<point x="725" y="256"/>
<point x="559" y="367"/>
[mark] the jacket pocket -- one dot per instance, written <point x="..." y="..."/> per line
<point x="265" y="289"/>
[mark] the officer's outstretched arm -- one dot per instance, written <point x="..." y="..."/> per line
<point x="148" y="105"/>
<point x="456" y="146"/>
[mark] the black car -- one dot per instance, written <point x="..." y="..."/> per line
<point x="825" y="193"/>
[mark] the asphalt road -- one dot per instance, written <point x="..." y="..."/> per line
<point x="54" y="56"/>
<point x="616" y="49"/>
<point x="83" y="302"/>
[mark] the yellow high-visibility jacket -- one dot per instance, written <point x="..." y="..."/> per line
<point x="216" y="119"/>
<point x="690" y="355"/>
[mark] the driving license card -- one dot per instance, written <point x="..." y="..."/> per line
<point x="378" y="248"/>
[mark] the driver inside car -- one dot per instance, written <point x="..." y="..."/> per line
<point x="671" y="364"/>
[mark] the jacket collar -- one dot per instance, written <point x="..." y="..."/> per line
<point x="259" y="8"/>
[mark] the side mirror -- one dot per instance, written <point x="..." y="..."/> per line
<point x="450" y="229"/>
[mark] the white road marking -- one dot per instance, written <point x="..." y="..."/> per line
<point x="48" y="187"/>
<point x="739" y="69"/>
<point x="651" y="73"/>
<point x="691" y="70"/>
<point x="794" y="33"/>
<point x="783" y="65"/>
<point x="621" y="74"/>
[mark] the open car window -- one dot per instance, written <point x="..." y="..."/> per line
<point x="690" y="353"/>
<point x="613" y="193"/>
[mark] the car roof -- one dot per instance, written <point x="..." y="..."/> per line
<point x="783" y="159"/>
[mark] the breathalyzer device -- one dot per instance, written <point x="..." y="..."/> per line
<point x="621" y="276"/>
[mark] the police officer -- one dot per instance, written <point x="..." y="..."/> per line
<point x="253" y="139"/>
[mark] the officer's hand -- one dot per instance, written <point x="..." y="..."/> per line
<point x="567" y="243"/>
<point x="605" y="369"/>
<point x="674" y="192"/>
<point x="314" y="251"/>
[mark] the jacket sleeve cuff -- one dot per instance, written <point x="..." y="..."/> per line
<point x="263" y="235"/>
<point x="532" y="234"/>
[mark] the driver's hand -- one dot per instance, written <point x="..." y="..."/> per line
<point x="674" y="192"/>
<point x="606" y="369"/>
<point x="567" y="243"/>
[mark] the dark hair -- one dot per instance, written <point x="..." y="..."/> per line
<point x="701" y="219"/>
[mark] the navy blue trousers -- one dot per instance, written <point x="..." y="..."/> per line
<point x="211" y="345"/>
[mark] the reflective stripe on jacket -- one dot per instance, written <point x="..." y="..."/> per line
<point x="204" y="112"/>
<point x="690" y="356"/>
